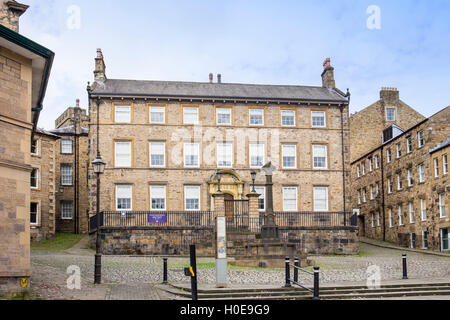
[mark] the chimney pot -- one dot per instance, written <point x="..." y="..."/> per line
<point x="211" y="78"/>
<point x="328" y="75"/>
<point x="219" y="78"/>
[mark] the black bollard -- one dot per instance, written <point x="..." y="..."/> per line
<point x="405" y="271"/>
<point x="297" y="265"/>
<point x="288" y="273"/>
<point x="165" y="271"/>
<point x="316" y="283"/>
<point x="193" y="270"/>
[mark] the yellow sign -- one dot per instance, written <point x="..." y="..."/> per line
<point x="192" y="271"/>
<point x="23" y="282"/>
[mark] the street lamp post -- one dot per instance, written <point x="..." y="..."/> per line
<point x="253" y="174"/>
<point x="99" y="168"/>
<point x="219" y="178"/>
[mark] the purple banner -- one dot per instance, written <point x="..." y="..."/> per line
<point x="157" y="217"/>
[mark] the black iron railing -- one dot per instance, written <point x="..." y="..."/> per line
<point x="313" y="219"/>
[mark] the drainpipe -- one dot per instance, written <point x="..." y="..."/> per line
<point x="343" y="159"/>
<point x="382" y="192"/>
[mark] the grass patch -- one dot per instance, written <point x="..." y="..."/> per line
<point x="61" y="242"/>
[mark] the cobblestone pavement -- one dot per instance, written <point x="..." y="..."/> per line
<point x="49" y="272"/>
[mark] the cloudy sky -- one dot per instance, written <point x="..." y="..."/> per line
<point x="405" y="46"/>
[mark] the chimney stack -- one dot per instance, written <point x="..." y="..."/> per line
<point x="391" y="95"/>
<point x="211" y="78"/>
<point x="10" y="12"/>
<point x="77" y="103"/>
<point x="100" y="67"/>
<point x="219" y="78"/>
<point x="328" y="75"/>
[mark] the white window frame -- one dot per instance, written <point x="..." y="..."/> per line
<point x="378" y="219"/>
<point x="399" y="182"/>
<point x="196" y="148"/>
<point x="36" y="149"/>
<point x="410" y="178"/>
<point x="445" y="240"/>
<point x="157" y="110"/>
<point x="391" y="218"/>
<point x="229" y="112"/>
<point x="442" y="208"/>
<point x="444" y="164"/>
<point x="316" y="199"/>
<point x="256" y="110"/>
<point x="185" y="112"/>
<point x="37" y="178"/>
<point x="257" y="150"/>
<point x="37" y="213"/>
<point x="283" y="152"/>
<point x="364" y="195"/>
<point x="65" y="148"/>
<point x="152" y="146"/>
<point x="261" y="190"/>
<point x="388" y="155"/>
<point x="420" y="139"/>
<point x="64" y="176"/>
<point x="389" y="181"/>
<point x="409" y="144"/>
<point x="423" y="209"/>
<point x="153" y="189"/>
<point x="387" y="114"/>
<point x="198" y="192"/>
<point x="370" y="164"/>
<point x="130" y="190"/>
<point x="399" y="150"/>
<point x="421" y="170"/>
<point x="436" y="167"/>
<point x="377" y="162"/>
<point x="359" y="196"/>
<point x="372" y="216"/>
<point x="363" y="167"/>
<point x="223" y="156"/>
<point x="371" y="192"/>
<point x="400" y="215"/>
<point x="292" y="113"/>
<point x="314" y="156"/>
<point x="323" y="115"/>
<point x="125" y="113"/>
<point x="412" y="220"/>
<point x="285" y="199"/>
<point x="64" y="215"/>
<point x="358" y="171"/>
<point x="125" y="162"/>
<point x="423" y="240"/>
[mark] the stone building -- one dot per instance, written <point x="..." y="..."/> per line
<point x="401" y="187"/>
<point x="71" y="171"/>
<point x="42" y="205"/>
<point x="24" y="72"/>
<point x="163" y="143"/>
<point x="387" y="111"/>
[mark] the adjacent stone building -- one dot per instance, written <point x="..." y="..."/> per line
<point x="24" y="72"/>
<point x="43" y="191"/>
<point x="72" y="207"/>
<point x="401" y="187"/>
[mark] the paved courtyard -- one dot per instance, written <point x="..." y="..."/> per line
<point x="126" y="277"/>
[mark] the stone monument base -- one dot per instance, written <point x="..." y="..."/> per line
<point x="270" y="254"/>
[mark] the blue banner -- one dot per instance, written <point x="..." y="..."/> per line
<point x="157" y="217"/>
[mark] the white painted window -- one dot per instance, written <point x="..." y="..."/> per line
<point x="444" y="165"/>
<point x="370" y="164"/>
<point x="122" y="114"/>
<point x="66" y="175"/>
<point x="223" y="116"/>
<point x="124" y="195"/>
<point x="377" y="162"/>
<point x="436" y="168"/>
<point x="262" y="198"/>
<point x="378" y="219"/>
<point x="442" y="211"/>
<point x="399" y="150"/>
<point x="420" y="140"/>
<point x="411" y="213"/>
<point x="192" y="198"/>
<point x="445" y="239"/>
<point x="122" y="154"/>
<point x="66" y="146"/>
<point x="423" y="209"/>
<point x="320" y="156"/>
<point x="388" y="155"/>
<point x="371" y="192"/>
<point x="257" y="155"/>
<point x="409" y="144"/>
<point x="288" y="118"/>
<point x="364" y="195"/>
<point x="290" y="199"/>
<point x="399" y="181"/>
<point x="424" y="239"/>
<point x="157" y="154"/>
<point x="190" y="115"/>
<point x="289" y="154"/>
<point x="34" y="182"/>
<point x="318" y="119"/>
<point x="66" y="210"/>
<point x="391" y="219"/>
<point x="158" y="198"/>
<point x="256" y="117"/>
<point x="390" y="114"/>
<point x="410" y="177"/>
<point x="359" y="196"/>
<point x="35" y="147"/>
<point x="400" y="215"/>
<point x="363" y="166"/>
<point x="358" y="171"/>
<point x="422" y="173"/>
<point x="157" y="114"/>
<point x="225" y="155"/>
<point x="191" y="155"/>
<point x="372" y="216"/>
<point x="34" y="213"/>
<point x="389" y="182"/>
<point x="320" y="199"/>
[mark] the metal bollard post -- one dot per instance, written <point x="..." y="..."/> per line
<point x="316" y="283"/>
<point x="165" y="271"/>
<point x="296" y="264"/>
<point x="194" y="273"/>
<point x="405" y="271"/>
<point x="288" y="273"/>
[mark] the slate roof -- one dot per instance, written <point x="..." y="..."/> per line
<point x="176" y="89"/>
<point x="70" y="130"/>
<point x="440" y="146"/>
<point x="44" y="132"/>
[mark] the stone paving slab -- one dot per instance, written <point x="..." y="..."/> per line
<point x="133" y="292"/>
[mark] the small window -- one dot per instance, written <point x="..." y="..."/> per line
<point x="444" y="165"/>
<point x="371" y="192"/>
<point x="399" y="182"/>
<point x="412" y="236"/>
<point x="421" y="173"/>
<point x="318" y="119"/>
<point x="399" y="150"/>
<point x="358" y="171"/>
<point x="377" y="162"/>
<point x="390" y="114"/>
<point x="225" y="155"/>
<point x="34" y="178"/>
<point x="262" y="198"/>
<point x="363" y="166"/>
<point x="35" y="147"/>
<point x="372" y="219"/>
<point x="158" y="198"/>
<point x="410" y="178"/>
<point x="389" y="182"/>
<point x="192" y="198"/>
<point x="34" y="213"/>
<point x="66" y="146"/>
<point x="320" y="199"/>
<point x="378" y="219"/>
<point x="391" y="219"/>
<point x="256" y="117"/>
<point x="436" y="168"/>
<point x="223" y="116"/>
<point x="442" y="211"/>
<point x="400" y="215"/>
<point x="320" y="156"/>
<point x="289" y="155"/>
<point x="157" y="114"/>
<point x="191" y="154"/>
<point x="445" y="239"/>
<point x="66" y="175"/>
<point x="122" y="154"/>
<point x="423" y="209"/>
<point x="124" y="194"/>
<point x="359" y="196"/>
<point x="122" y="114"/>
<point x="190" y="115"/>
<point x="389" y="155"/>
<point x="66" y="210"/>
<point x="424" y="239"/>
<point x="411" y="213"/>
<point x="256" y="155"/>
<point x="288" y="118"/>
<point x="409" y="144"/>
<point x="290" y="199"/>
<point x="157" y="154"/>
<point x="420" y="139"/>
<point x="370" y="164"/>
<point x="364" y="195"/>
<point x="377" y="188"/>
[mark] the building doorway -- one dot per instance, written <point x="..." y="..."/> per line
<point x="362" y="226"/>
<point x="229" y="207"/>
